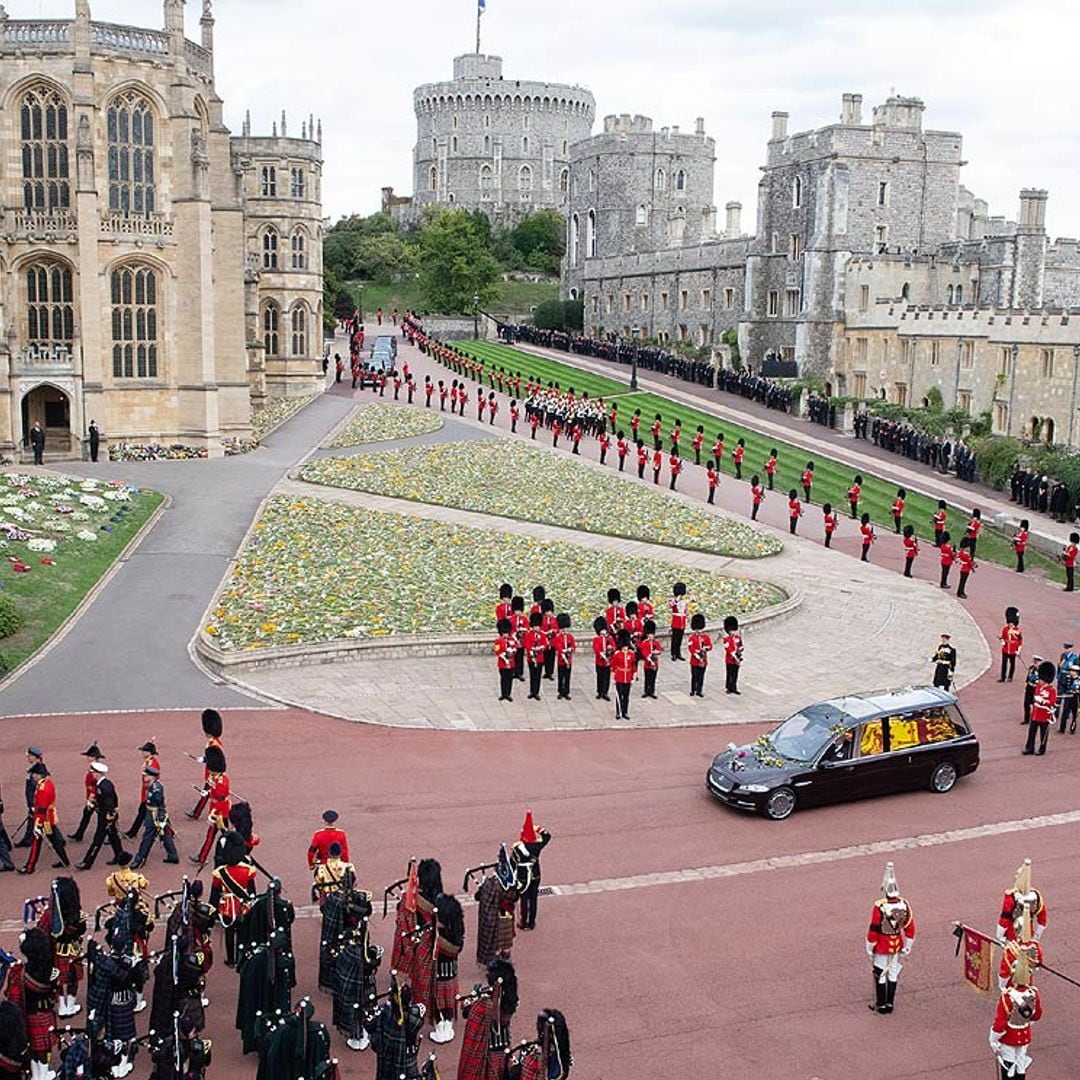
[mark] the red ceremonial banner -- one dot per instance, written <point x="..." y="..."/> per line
<point x="978" y="960"/>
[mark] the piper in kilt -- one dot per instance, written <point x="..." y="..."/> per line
<point x="14" y="1052"/>
<point x="422" y="975"/>
<point x="31" y="988"/>
<point x="496" y="899"/>
<point x="488" y="1011"/>
<point x="396" y="1032"/>
<point x="354" y="977"/>
<point x="404" y="925"/>
<point x="182" y="1053"/>
<point x="233" y="889"/>
<point x="451" y="938"/>
<point x="546" y="1058"/>
<point x="336" y="911"/>
<point x="65" y="922"/>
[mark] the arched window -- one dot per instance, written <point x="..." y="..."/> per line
<point x="590" y="235"/>
<point x="433" y="178"/>
<point x="1048" y="430"/>
<point x="525" y="178"/>
<point x="680" y="180"/>
<point x="270" y="249"/>
<point x="796" y="192"/>
<point x="485" y="177"/>
<point x="298" y="250"/>
<point x="658" y="179"/>
<point x="592" y="179"/>
<point x="642" y="215"/>
<point x="268" y="181"/>
<point x="525" y="144"/>
<point x="564" y="181"/>
<point x="959" y="297"/>
<point x="949" y="295"/>
<point x="487" y="144"/>
<point x="50" y="314"/>
<point x="271" y="327"/>
<point x="299" y="330"/>
<point x="575" y="229"/>
<point x="44" y="134"/>
<point x="905" y="292"/>
<point x="135" y="323"/>
<point x="453" y="142"/>
<point x="130" y="124"/>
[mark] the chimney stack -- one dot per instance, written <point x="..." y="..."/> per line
<point x="1033" y="210"/>
<point x="779" y="125"/>
<point x="699" y="126"/>
<point x="851" y="109"/>
<point x="734" y="219"/>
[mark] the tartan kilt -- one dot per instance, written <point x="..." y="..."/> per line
<point x="401" y="955"/>
<point x="71" y="973"/>
<point x="422" y="976"/>
<point x="504" y="932"/>
<point x="446" y="991"/>
<point x="120" y="1018"/>
<point x="39" y="1027"/>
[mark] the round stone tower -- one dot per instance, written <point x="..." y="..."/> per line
<point x="494" y="144"/>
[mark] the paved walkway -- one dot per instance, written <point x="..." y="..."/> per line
<point x="854" y="618"/>
<point x="129" y="648"/>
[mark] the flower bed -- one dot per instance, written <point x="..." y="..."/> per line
<point x="379" y="423"/>
<point x="275" y="411"/>
<point x="123" y="451"/>
<point x="318" y="571"/>
<point x="514" y="480"/>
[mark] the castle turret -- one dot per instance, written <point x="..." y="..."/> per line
<point x="1031" y="242"/>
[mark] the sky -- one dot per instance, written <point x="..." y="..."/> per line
<point x="1001" y="72"/>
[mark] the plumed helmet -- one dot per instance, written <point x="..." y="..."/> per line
<point x="731" y="623"/>
<point x="1047" y="671"/>
<point x="528" y="829"/>
<point x="503" y="970"/>
<point x="212" y="724"/>
<point x="1022" y="881"/>
<point x="1021" y="972"/>
<point x="215" y="759"/>
<point x="429" y="877"/>
<point x="1012" y="615"/>
<point x="889" y="886"/>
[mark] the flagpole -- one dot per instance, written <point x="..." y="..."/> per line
<point x="479" y="12"/>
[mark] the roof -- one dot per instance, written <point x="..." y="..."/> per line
<point x="882" y="702"/>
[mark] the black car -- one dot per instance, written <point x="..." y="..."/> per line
<point x="847" y="748"/>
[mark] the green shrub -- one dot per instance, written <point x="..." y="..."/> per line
<point x="995" y="457"/>
<point x="11" y="617"/>
<point x="1061" y="464"/>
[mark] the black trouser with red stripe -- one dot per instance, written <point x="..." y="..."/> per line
<point x="55" y="837"/>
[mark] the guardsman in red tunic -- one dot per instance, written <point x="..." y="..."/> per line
<point x="737" y="457"/>
<point x="615" y="613"/>
<point x="965" y="559"/>
<point x="675" y="466"/>
<point x="853" y="495"/>
<point x="1068" y="557"/>
<point x="319" y="849"/>
<point x="649" y="649"/>
<point x="605" y="444"/>
<point x="1043" y="708"/>
<point x="770" y="468"/>
<point x="502" y="608"/>
<point x="622" y="448"/>
<point x="634" y="623"/>
<point x="564" y="646"/>
<point x="642" y="459"/>
<point x="1025" y="942"/>
<point x="656" y="429"/>
<point x="718" y="451"/>
<point x="93" y="752"/>
<point x="808" y="481"/>
<point x="898" y="509"/>
<point x="1020" y="543"/>
<point x="644" y="602"/>
<point x="623" y="671"/>
<point x="699" y="439"/>
<point x="733" y="654"/>
<point x="657" y="465"/>
<point x="1018" y="1007"/>
<point x="830" y="521"/>
<point x="712" y="477"/>
<point x="213" y="727"/>
<point x="519" y="624"/>
<point x="1021" y="899"/>
<point x="679" y="606"/>
<point x="866" y="531"/>
<point x="948" y="556"/>
<point x="635" y="424"/>
<point x="217" y="791"/>
<point x="888" y="940"/>
<point x="506" y="648"/>
<point x="232" y="891"/>
<point x="795" y="511"/>
<point x="938" y="521"/>
<point x="676" y="435"/>
<point x="150" y="760"/>
<point x="44" y="822"/>
<point x="699" y="646"/>
<point x="757" y="496"/>
<point x="1012" y="643"/>
<point x="974" y="526"/>
<point x="535" y="646"/>
<point x="603" y="645"/>
<point x="549" y="624"/>
<point x="911" y="548"/>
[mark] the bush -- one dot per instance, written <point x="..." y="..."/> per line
<point x="1061" y="464"/>
<point x="995" y="457"/>
<point x="10" y="616"/>
<point x="568" y="315"/>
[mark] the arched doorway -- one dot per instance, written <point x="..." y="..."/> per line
<point x="1048" y="431"/>
<point x="51" y="407"/>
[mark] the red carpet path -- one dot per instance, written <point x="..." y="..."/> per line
<point x="757" y="974"/>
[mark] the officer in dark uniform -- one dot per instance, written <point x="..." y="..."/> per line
<point x="944" y="661"/>
<point x="34" y="756"/>
<point x="107" y="808"/>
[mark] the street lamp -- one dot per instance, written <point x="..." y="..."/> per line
<point x="633" y="357"/>
<point x="476" y="317"/>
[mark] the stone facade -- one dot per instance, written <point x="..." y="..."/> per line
<point x="484" y="142"/>
<point x="125" y="228"/>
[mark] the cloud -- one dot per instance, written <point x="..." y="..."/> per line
<point x="999" y="71"/>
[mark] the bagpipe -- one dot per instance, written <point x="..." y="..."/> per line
<point x="477" y="872"/>
<point x="393" y="892"/>
<point x="546" y="1043"/>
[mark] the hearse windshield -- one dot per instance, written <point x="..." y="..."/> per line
<point x="803" y="736"/>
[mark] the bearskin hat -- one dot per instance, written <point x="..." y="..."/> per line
<point x="66" y="891"/>
<point x="536" y="619"/>
<point x="679" y="588"/>
<point x="599" y="624"/>
<point x="643" y="592"/>
<point x="538" y="593"/>
<point x="649" y="627"/>
<point x="517" y="603"/>
<point x="547" y="605"/>
<point x="563" y="621"/>
<point x="731" y="624"/>
<point x="631" y="608"/>
<point x="614" y="596"/>
<point x="901" y="493"/>
<point x="504" y="626"/>
<point x="624" y="639"/>
<point x="212" y="724"/>
<point x="909" y="530"/>
<point x="429" y="875"/>
<point x="506" y="590"/>
<point x="792" y="494"/>
<point x="451" y="919"/>
<point x="1047" y="671"/>
<point x="1012" y="615"/>
<point x="240" y="819"/>
<point x="12" y="1030"/>
<point x="697" y="622"/>
<point x="561" y="1034"/>
<point x="215" y="759"/>
<point x="504" y="970"/>
<point x="231" y="849"/>
<point x="37" y="947"/>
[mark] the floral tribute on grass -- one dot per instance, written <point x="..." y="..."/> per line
<point x="276" y="411"/>
<point x="514" y="480"/>
<point x="380" y="423"/>
<point x="320" y="571"/>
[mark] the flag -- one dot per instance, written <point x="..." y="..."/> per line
<point x="978" y="960"/>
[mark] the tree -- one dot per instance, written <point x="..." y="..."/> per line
<point x="566" y="315"/>
<point x="455" y="263"/>
<point x="540" y="239"/>
<point x="731" y="339"/>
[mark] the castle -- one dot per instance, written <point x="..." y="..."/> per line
<point x="157" y="274"/>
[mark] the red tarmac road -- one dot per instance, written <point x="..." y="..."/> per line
<point x="760" y="973"/>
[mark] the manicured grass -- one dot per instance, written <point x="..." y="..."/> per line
<point x="411" y="575"/>
<point x="47" y="595"/>
<point x="512" y="298"/>
<point x="553" y="489"/>
<point x="831" y="478"/>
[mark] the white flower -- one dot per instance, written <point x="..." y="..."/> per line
<point x="93" y="502"/>
<point x="116" y="495"/>
<point x="80" y="515"/>
<point x="41" y="543"/>
<point x="86" y="534"/>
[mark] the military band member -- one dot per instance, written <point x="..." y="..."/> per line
<point x="679" y="606"/>
<point x="1068" y="687"/>
<point x="888" y="940"/>
<point x="546" y="1058"/>
<point x="829" y="521"/>
<point x="355" y="963"/>
<point x="216" y="788"/>
<point x="45" y="824"/>
<point x="530" y="844"/>
<point x="506" y="649"/>
<point x="1043" y="707"/>
<point x="1018" y="1007"/>
<point x="156" y="827"/>
<point x="649" y="649"/>
<point x="425" y="937"/>
<point x="1021" y="898"/>
<point x="644" y="602"/>
<point x="232" y="890"/>
<point x="396" y="1031"/>
<point x="534" y="646"/>
<point x="65" y="923"/>
<point x="1031" y="680"/>
<point x="31" y="988"/>
<point x="496" y="899"/>
<point x="150" y="757"/>
<point x="107" y="809"/>
<point x="450" y="928"/>
<point x="488" y="1012"/>
<point x="93" y="752"/>
<point x="212" y="726"/>
<point x="563" y="646"/>
<point x="944" y="661"/>
<point x="603" y="645"/>
<point x="319" y="848"/>
<point x="699" y="645"/>
<point x="947" y="556"/>
<point x="623" y="671"/>
<point x="1012" y="643"/>
<point x="549" y="624"/>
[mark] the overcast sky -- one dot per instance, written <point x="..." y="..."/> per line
<point x="1001" y="72"/>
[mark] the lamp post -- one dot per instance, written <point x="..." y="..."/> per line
<point x="360" y="299"/>
<point x="634" y="331"/>
<point x="476" y="317"/>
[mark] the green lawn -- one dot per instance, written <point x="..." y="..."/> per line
<point x="47" y="595"/>
<point x="831" y="478"/>
<point x="512" y="298"/>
